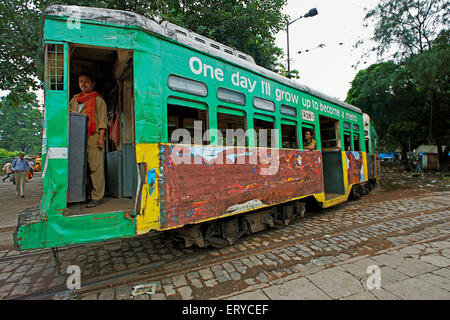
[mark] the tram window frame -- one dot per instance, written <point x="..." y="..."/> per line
<point x="224" y="113"/>
<point x="356" y="146"/>
<point x="284" y="107"/>
<point x="289" y="144"/>
<point x="185" y="89"/>
<point x="312" y="129"/>
<point x="329" y="133"/>
<point x="242" y="102"/>
<point x="346" y="125"/>
<point x="261" y="107"/>
<point x="59" y="64"/>
<point x="178" y="116"/>
<point x="264" y="118"/>
<point x="347" y="147"/>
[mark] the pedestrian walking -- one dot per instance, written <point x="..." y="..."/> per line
<point x="20" y="168"/>
<point x="7" y="171"/>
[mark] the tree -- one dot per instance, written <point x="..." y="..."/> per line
<point x="6" y="155"/>
<point x="247" y="25"/>
<point x="417" y="31"/>
<point x="431" y="72"/>
<point x="371" y="91"/>
<point x="387" y="92"/>
<point x="20" y="125"/>
<point x="407" y="26"/>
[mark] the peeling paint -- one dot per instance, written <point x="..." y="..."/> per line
<point x="355" y="168"/>
<point x="252" y="204"/>
<point x="151" y="179"/>
<point x="191" y="192"/>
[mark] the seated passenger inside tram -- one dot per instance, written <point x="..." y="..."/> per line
<point x="309" y="143"/>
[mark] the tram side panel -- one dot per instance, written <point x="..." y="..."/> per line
<point x="203" y="187"/>
<point x="355" y="167"/>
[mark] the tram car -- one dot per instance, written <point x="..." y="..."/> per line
<point x="206" y="144"/>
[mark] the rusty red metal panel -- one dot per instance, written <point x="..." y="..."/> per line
<point x="200" y="182"/>
<point x="355" y="168"/>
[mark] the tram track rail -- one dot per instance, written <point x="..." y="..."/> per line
<point x="270" y="247"/>
<point x="35" y="253"/>
<point x="162" y="269"/>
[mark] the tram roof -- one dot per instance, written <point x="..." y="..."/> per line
<point x="184" y="36"/>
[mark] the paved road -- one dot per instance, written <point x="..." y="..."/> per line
<point x="324" y="256"/>
<point x="11" y="206"/>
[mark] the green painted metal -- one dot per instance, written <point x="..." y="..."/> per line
<point x="231" y="111"/>
<point x="155" y="59"/>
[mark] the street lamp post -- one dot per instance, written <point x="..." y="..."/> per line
<point x="311" y="13"/>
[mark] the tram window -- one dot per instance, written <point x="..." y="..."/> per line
<point x="347" y="125"/>
<point x="328" y="133"/>
<point x="367" y="146"/>
<point x="355" y="127"/>
<point x="356" y="142"/>
<point x="347" y="141"/>
<point x="263" y="104"/>
<point x="288" y="110"/>
<point x="309" y="139"/>
<point x="289" y="136"/>
<point x="188" y="86"/>
<point x="200" y="40"/>
<point x="179" y="117"/>
<point x="232" y="128"/>
<point x="55" y="66"/>
<point x="269" y="126"/>
<point x="231" y="96"/>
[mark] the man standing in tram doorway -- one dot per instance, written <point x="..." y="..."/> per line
<point x="90" y="103"/>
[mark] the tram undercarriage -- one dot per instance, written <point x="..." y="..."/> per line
<point x="224" y="232"/>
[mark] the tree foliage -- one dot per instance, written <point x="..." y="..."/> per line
<point x="431" y="72"/>
<point x="386" y="92"/>
<point x="415" y="105"/>
<point x="247" y="25"/>
<point x="407" y="26"/>
<point x="6" y="156"/>
<point x="409" y="100"/>
<point x="20" y="125"/>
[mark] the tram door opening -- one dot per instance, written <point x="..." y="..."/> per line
<point x="112" y="70"/>
<point x="332" y="157"/>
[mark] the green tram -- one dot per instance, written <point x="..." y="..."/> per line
<point x="207" y="186"/>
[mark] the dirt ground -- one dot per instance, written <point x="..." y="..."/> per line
<point x="394" y="178"/>
<point x="395" y="183"/>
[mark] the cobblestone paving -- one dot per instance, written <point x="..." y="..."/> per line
<point x="320" y="240"/>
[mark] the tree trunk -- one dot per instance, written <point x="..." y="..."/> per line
<point x="404" y="146"/>
<point x="437" y="132"/>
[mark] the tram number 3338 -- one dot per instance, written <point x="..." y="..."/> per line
<point x="308" y="115"/>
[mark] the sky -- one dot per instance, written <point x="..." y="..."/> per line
<point x="327" y="69"/>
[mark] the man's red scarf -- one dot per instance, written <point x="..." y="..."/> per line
<point x="89" y="108"/>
